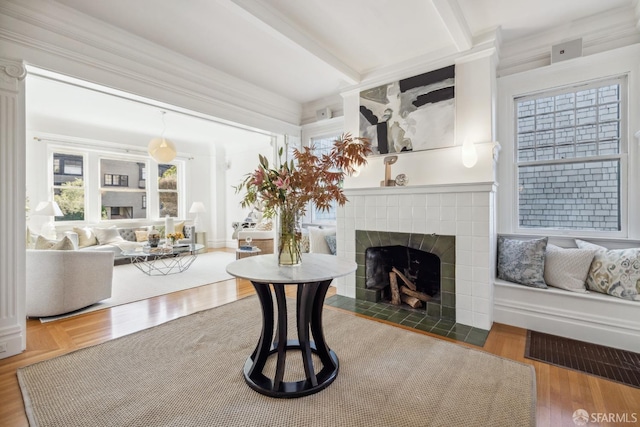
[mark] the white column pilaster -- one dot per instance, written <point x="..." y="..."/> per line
<point x="12" y="208"/>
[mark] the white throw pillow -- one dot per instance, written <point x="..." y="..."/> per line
<point x="567" y="268"/>
<point x="317" y="242"/>
<point x="86" y="236"/>
<point x="59" y="245"/>
<point x="107" y="235"/>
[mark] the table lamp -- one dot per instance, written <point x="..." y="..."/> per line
<point x="51" y="210"/>
<point x="197" y="208"/>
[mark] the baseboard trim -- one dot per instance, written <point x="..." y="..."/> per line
<point x="589" y="317"/>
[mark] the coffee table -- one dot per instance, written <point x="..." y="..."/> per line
<point x="312" y="279"/>
<point x="163" y="261"/>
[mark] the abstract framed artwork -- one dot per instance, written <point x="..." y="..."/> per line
<point x="412" y="114"/>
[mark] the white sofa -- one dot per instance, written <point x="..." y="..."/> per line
<point x="59" y="282"/>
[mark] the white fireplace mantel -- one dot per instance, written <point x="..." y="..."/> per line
<point x="463" y="210"/>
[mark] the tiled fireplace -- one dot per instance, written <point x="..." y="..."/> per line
<point x="441" y="295"/>
<point x="463" y="214"/>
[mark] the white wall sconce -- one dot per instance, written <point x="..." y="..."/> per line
<point x="197" y="208"/>
<point x="49" y="209"/>
<point x="469" y="154"/>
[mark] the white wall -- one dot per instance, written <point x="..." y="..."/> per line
<point x="475" y="94"/>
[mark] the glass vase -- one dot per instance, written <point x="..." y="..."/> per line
<point x="289" y="236"/>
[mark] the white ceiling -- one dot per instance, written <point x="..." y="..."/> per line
<point x="309" y="49"/>
<point x="304" y="50"/>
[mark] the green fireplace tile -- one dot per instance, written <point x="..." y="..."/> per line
<point x="443" y="244"/>
<point x="448" y="299"/>
<point x="360" y="281"/>
<point x="461" y="329"/>
<point x="401" y="239"/>
<point x="397" y="317"/>
<point x="385" y="239"/>
<point x="362" y="241"/>
<point x="427" y="242"/>
<point x="449" y="256"/>
<point x="408" y="323"/>
<point x="445" y="324"/>
<point x="360" y="271"/>
<point x="448" y="313"/>
<point x="447" y="284"/>
<point x="433" y="309"/>
<point x="477" y="337"/>
<point x="360" y="258"/>
<point x="447" y="270"/>
<point x="374" y="237"/>
<point x="457" y="335"/>
<point x="441" y="332"/>
<point x="415" y="240"/>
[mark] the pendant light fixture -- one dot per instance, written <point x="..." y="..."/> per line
<point x="160" y="149"/>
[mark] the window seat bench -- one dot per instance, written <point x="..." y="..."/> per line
<point x="592" y="317"/>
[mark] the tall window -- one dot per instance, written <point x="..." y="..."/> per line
<point x="68" y="185"/>
<point x="120" y="194"/>
<point x="569" y="151"/>
<point x="323" y="145"/>
<point x="168" y="190"/>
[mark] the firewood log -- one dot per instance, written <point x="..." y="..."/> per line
<point x="420" y="295"/>
<point x="395" y="292"/>
<point x="407" y="282"/>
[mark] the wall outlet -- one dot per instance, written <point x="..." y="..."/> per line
<point x="3" y="347"/>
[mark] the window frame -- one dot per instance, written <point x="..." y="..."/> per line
<point x="52" y="186"/>
<point x="622" y="61"/>
<point x="622" y="81"/>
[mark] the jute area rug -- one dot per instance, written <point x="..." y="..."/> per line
<point x="188" y="372"/>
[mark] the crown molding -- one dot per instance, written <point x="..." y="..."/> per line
<point x="51" y="28"/>
<point x="609" y="30"/>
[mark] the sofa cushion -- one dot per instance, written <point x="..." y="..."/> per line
<point x="107" y="235"/>
<point x="331" y="242"/>
<point x="142" y="235"/>
<point x="567" y="268"/>
<point x="65" y="244"/>
<point x="317" y="240"/>
<point x="86" y="236"/>
<point x="614" y="271"/>
<point x="522" y="261"/>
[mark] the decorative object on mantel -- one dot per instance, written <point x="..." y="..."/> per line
<point x="49" y="209"/>
<point x="402" y="180"/>
<point x="160" y="149"/>
<point x="388" y="161"/>
<point x="287" y="189"/>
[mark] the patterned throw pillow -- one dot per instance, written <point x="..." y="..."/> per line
<point x="614" y="271"/>
<point x="567" y="268"/>
<point x="62" y="245"/>
<point x="331" y="241"/>
<point x="522" y="261"/>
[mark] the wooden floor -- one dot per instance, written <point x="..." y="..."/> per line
<point x="560" y="392"/>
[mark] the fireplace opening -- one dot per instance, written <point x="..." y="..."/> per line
<point x="403" y="275"/>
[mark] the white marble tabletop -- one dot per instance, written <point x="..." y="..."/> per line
<point x="314" y="268"/>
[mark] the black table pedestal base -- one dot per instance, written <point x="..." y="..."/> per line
<point x="309" y="302"/>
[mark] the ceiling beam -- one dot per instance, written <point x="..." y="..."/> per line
<point x="281" y="27"/>
<point x="453" y="19"/>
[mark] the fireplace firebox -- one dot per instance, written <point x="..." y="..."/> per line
<point x="403" y="274"/>
<point x="419" y="268"/>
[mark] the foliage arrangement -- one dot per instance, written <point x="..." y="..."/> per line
<point x="306" y="178"/>
<point x="175" y="236"/>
